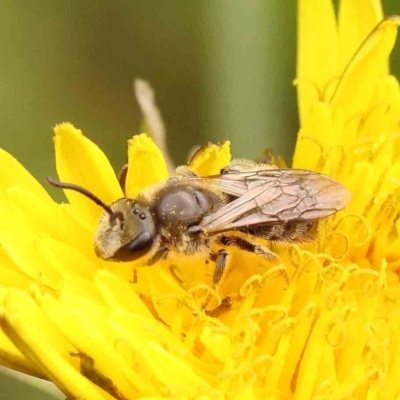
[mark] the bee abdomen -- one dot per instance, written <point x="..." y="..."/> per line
<point x="291" y="232"/>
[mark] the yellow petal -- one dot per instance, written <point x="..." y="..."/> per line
<point x="79" y="231"/>
<point x="80" y="287"/>
<point x="171" y="371"/>
<point x="317" y="129"/>
<point x="65" y="259"/>
<point x="218" y="344"/>
<point x="20" y="246"/>
<point x="44" y="345"/>
<point x="44" y="217"/>
<point x="356" y="20"/>
<point x="165" y="293"/>
<point x="358" y="82"/>
<point x="146" y="165"/>
<point x="81" y="162"/>
<point x="387" y="92"/>
<point x="391" y="390"/>
<point x="14" y="174"/>
<point x="10" y="356"/>
<point x="210" y="158"/>
<point x="317" y="52"/>
<point x="85" y="324"/>
<point x="311" y="359"/>
<point x="151" y="330"/>
<point x="118" y="294"/>
<point x="13" y="278"/>
<point x="10" y="275"/>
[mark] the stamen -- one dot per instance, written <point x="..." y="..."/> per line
<point x="278" y="313"/>
<point x="274" y="273"/>
<point x="362" y="221"/>
<point x="345" y="249"/>
<point x="307" y="313"/>
<point x="324" y="257"/>
<point x="294" y="255"/>
<point x="333" y="275"/>
<point x="369" y="287"/>
<point x="336" y="334"/>
<point x="261" y="366"/>
<point x="165" y="299"/>
<point x="177" y="318"/>
<point x="201" y="297"/>
<point x="249" y="285"/>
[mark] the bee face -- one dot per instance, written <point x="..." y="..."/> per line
<point x="126" y="234"/>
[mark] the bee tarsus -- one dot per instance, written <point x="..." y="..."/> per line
<point x="245" y="245"/>
<point x="160" y="254"/>
<point x="221" y="262"/>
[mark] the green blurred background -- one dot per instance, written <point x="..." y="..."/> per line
<point x="220" y="69"/>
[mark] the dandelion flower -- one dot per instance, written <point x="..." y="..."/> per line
<point x="321" y="325"/>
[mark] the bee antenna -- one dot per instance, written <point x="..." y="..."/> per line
<point x="86" y="193"/>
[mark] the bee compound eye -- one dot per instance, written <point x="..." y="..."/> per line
<point x="142" y="216"/>
<point x="135" y="248"/>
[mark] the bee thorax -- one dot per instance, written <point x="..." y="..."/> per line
<point x="178" y="207"/>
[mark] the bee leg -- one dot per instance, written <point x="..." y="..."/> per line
<point x="89" y="370"/>
<point x="122" y="177"/>
<point x="248" y="246"/>
<point x="226" y="305"/>
<point x="221" y="262"/>
<point x="160" y="254"/>
<point x="220" y="265"/>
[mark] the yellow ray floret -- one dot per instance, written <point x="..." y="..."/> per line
<point x="80" y="161"/>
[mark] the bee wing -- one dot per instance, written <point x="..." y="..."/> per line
<point x="271" y="197"/>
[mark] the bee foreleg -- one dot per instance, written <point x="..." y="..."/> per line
<point x="248" y="246"/>
<point x="220" y="265"/>
<point x="160" y="254"/>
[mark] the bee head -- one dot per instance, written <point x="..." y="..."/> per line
<point x="127" y="233"/>
<point x="126" y="230"/>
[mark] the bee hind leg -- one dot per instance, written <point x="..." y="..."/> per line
<point x="245" y="245"/>
<point x="221" y="258"/>
<point x="221" y="261"/>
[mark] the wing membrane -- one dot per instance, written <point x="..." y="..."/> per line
<point x="274" y="196"/>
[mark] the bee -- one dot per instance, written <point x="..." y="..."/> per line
<point x="189" y="214"/>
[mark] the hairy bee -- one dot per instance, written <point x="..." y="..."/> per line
<point x="188" y="214"/>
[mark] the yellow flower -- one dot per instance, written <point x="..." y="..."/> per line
<point x="325" y="325"/>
